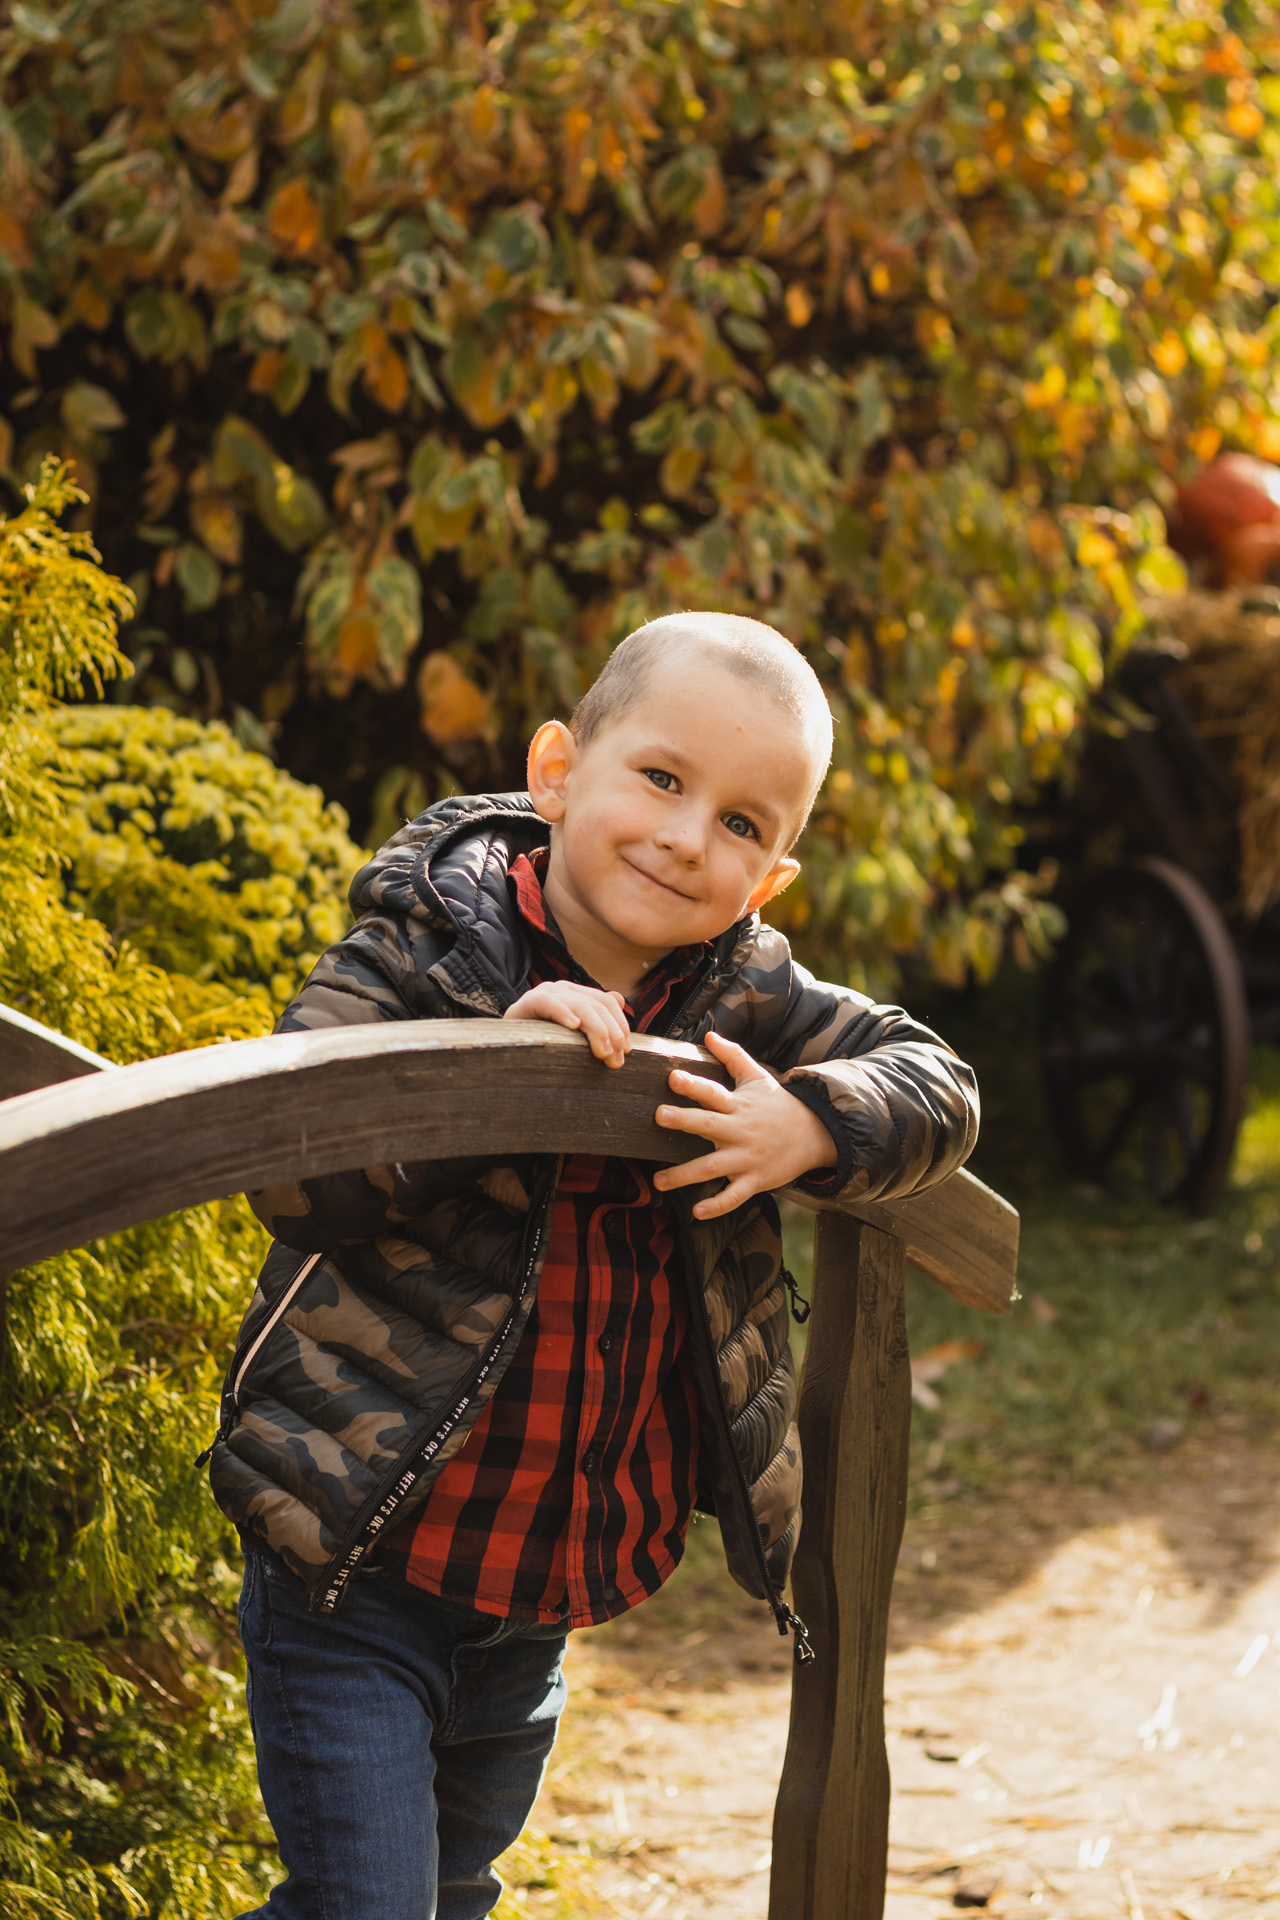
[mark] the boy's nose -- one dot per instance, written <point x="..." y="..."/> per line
<point x="685" y="839"/>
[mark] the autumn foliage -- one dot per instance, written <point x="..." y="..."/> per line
<point x="453" y="340"/>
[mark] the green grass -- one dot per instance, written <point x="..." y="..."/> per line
<point x="1132" y="1315"/>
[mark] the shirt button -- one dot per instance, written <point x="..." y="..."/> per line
<point x="605" y="1342"/>
<point x="613" y="1222"/>
<point x="589" y="1463"/>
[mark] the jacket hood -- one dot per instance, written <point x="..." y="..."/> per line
<point x="449" y="867"/>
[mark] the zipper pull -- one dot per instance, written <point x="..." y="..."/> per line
<point x="800" y="1307"/>
<point x="224" y="1430"/>
<point x="786" y="1619"/>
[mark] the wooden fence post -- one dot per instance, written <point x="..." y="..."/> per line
<point x="831" y="1823"/>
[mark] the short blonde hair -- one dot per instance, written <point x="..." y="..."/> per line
<point x="747" y="648"/>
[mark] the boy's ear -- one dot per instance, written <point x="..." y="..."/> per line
<point x="552" y="754"/>
<point x="780" y="875"/>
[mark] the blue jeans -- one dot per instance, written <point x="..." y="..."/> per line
<point x="401" y="1743"/>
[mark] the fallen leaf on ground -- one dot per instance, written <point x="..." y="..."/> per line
<point x="931" y="1366"/>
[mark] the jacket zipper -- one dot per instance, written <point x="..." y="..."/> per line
<point x="238" y="1371"/>
<point x="782" y="1613"/>
<point x="382" y="1505"/>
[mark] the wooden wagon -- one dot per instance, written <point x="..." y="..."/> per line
<point x="88" y="1149"/>
<point x="1167" y="971"/>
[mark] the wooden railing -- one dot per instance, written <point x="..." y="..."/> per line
<point x="89" y="1155"/>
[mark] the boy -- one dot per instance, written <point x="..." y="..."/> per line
<point x="569" y="1355"/>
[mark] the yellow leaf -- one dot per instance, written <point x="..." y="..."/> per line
<point x="1047" y="391"/>
<point x="90" y="304"/>
<point x="711" y="204"/>
<point x="215" y="521"/>
<point x="386" y="377"/>
<point x="610" y="152"/>
<point x="356" y="646"/>
<point x="300" y="106"/>
<point x="453" y="708"/>
<point x="241" y="180"/>
<point x="1075" y="427"/>
<point x="600" y="383"/>
<point x="1204" y="443"/>
<point x="1169" y="354"/>
<point x="353" y="140"/>
<point x="32" y="327"/>
<point x="933" y="329"/>
<point x="1095" y="550"/>
<point x="680" y="469"/>
<point x="1266" y="443"/>
<point x="484" y="111"/>
<point x="579" y="161"/>
<point x="13" y="238"/>
<point x="1148" y="187"/>
<point x="294" y="219"/>
<point x="1245" y="120"/>
<point x="262" y="375"/>
<point x="559" y="391"/>
<point x="800" y="306"/>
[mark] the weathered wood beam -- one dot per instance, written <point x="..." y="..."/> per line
<point x="831" y="1822"/>
<point x="34" y="1056"/>
<point x="105" y="1152"/>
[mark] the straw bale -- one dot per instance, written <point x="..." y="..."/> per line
<point x="1230" y="681"/>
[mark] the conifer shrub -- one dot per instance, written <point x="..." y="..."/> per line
<point x="137" y="927"/>
<point x="208" y="859"/>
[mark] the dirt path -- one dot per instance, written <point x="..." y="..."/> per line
<point x="1083" y="1699"/>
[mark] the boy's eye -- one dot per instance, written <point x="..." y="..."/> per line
<point x="739" y="824"/>
<point x="661" y="778"/>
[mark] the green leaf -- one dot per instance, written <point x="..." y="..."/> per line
<point x="87" y="409"/>
<point x="199" y="576"/>
<point x="658" y="429"/>
<point x="330" y="600"/>
<point x="550" y="603"/>
<point x="396" y="594"/>
<point x="518" y="239"/>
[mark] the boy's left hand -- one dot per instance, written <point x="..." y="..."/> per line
<point x="761" y="1135"/>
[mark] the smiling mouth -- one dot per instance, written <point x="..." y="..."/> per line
<point x="661" y="884"/>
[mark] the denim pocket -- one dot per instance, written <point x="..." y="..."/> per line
<point x="255" y="1602"/>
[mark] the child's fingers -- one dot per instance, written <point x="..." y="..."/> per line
<point x="736" y="1194"/>
<point x="610" y="1040"/>
<point x="707" y="1126"/>
<point x="736" y="1058"/>
<point x="708" y="1166"/>
<point x="536" y="1005"/>
<point x="696" y="1086"/>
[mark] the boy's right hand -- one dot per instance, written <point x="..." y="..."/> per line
<point x="590" y="1009"/>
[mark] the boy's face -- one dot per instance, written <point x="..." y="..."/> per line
<point x="675" y="819"/>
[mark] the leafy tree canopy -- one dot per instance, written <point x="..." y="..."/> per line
<point x="461" y="338"/>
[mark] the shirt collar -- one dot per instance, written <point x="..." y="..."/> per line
<point x="552" y="959"/>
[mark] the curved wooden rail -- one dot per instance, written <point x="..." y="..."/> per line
<point x="113" y="1149"/>
<point x="35" y="1056"/>
<point x="105" y="1150"/>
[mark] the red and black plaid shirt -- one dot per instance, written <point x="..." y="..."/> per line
<point x="571" y="1497"/>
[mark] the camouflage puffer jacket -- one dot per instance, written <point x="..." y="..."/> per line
<point x="394" y="1296"/>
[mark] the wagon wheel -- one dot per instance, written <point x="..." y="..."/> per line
<point x="1147" y="1034"/>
